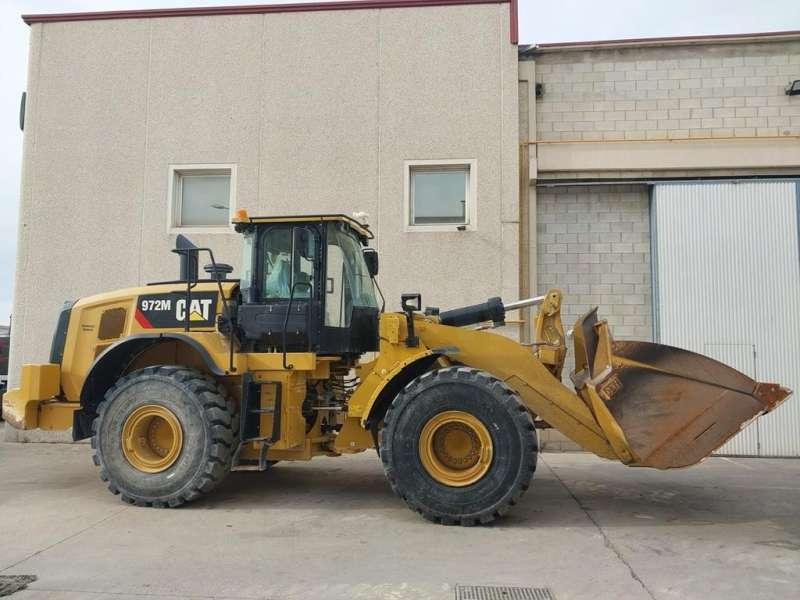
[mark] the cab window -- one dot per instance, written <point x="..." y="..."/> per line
<point x="288" y="257"/>
<point x="347" y="279"/>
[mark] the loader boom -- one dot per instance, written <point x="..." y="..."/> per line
<point x="644" y="404"/>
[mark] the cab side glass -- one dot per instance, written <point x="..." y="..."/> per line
<point x="347" y="278"/>
<point x="287" y="257"/>
<point x="246" y="276"/>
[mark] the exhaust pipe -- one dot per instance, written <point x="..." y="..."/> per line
<point x="187" y="252"/>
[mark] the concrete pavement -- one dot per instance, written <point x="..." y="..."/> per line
<point x="331" y="529"/>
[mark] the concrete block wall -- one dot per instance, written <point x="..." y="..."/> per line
<point x="593" y="242"/>
<point x="735" y="90"/>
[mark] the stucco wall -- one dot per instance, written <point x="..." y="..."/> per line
<point x="317" y="110"/>
<point x="669" y="92"/>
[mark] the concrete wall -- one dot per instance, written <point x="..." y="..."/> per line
<point x="696" y="108"/>
<point x="670" y="92"/>
<point x="317" y="110"/>
<point x="593" y="242"/>
<point x="671" y="110"/>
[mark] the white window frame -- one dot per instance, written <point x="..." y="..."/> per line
<point x="470" y="209"/>
<point x="176" y="172"/>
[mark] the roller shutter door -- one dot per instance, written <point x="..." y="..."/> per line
<point x="726" y="276"/>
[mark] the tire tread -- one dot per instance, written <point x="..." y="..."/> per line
<point x="510" y="401"/>
<point x="220" y="413"/>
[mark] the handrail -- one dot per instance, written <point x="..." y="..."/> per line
<point x="289" y="366"/>
<point x="191" y="284"/>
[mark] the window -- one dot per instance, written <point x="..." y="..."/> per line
<point x="201" y="197"/>
<point x="440" y="195"/>
<point x="288" y="255"/>
<point x="347" y="280"/>
<point x="246" y="288"/>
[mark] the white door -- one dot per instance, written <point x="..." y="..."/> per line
<point x="726" y="260"/>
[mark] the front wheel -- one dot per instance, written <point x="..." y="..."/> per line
<point x="164" y="436"/>
<point x="458" y="446"/>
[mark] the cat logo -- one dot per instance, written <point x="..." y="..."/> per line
<point x="199" y="309"/>
<point x="170" y="310"/>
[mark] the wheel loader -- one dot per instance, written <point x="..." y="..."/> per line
<point x="179" y="382"/>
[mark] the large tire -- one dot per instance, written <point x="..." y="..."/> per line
<point x="495" y="409"/>
<point x="207" y="422"/>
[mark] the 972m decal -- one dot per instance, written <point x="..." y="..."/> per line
<point x="154" y="311"/>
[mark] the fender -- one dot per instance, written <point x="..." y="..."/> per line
<point x="382" y="385"/>
<point x="106" y="368"/>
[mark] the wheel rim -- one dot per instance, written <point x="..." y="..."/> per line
<point x="455" y="448"/>
<point x="151" y="438"/>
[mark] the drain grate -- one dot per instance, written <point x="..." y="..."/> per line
<point x="502" y="592"/>
<point x="14" y="583"/>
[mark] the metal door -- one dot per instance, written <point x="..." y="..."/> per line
<point x="727" y="283"/>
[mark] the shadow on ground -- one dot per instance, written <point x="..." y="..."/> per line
<point x="714" y="492"/>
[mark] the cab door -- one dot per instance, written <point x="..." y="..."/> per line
<point x="283" y="300"/>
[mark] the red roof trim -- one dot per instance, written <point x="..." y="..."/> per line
<point x="678" y="39"/>
<point x="266" y="8"/>
<point x="514" y="22"/>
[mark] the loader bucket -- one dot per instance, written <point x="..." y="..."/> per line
<point x="661" y="406"/>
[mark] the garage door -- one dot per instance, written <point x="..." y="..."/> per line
<point x="727" y="284"/>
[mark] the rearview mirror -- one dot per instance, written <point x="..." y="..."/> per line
<point x="371" y="258"/>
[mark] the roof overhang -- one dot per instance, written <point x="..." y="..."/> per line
<point x="657" y="42"/>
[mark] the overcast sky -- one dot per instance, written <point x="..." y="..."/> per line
<point x="539" y="21"/>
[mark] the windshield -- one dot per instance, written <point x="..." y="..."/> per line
<point x="347" y="280"/>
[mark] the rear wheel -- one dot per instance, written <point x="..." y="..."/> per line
<point x="164" y="436"/>
<point x="458" y="446"/>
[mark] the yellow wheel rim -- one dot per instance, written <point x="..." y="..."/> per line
<point x="151" y="438"/>
<point x="455" y="448"/>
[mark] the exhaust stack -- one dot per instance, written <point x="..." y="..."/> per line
<point x="185" y="250"/>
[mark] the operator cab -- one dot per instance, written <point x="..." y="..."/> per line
<point x="307" y="285"/>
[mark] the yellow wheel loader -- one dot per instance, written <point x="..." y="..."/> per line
<point x="177" y="383"/>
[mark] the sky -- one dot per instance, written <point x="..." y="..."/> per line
<point x="539" y="22"/>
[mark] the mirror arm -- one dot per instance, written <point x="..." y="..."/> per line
<point x="412" y="341"/>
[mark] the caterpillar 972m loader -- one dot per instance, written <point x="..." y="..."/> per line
<point x="178" y="383"/>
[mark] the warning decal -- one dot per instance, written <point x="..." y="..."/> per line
<point x="154" y="311"/>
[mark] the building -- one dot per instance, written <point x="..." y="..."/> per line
<point x="663" y="188"/>
<point x="654" y="178"/>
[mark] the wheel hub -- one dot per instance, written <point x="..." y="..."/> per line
<point x="152" y="438"/>
<point x="455" y="448"/>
